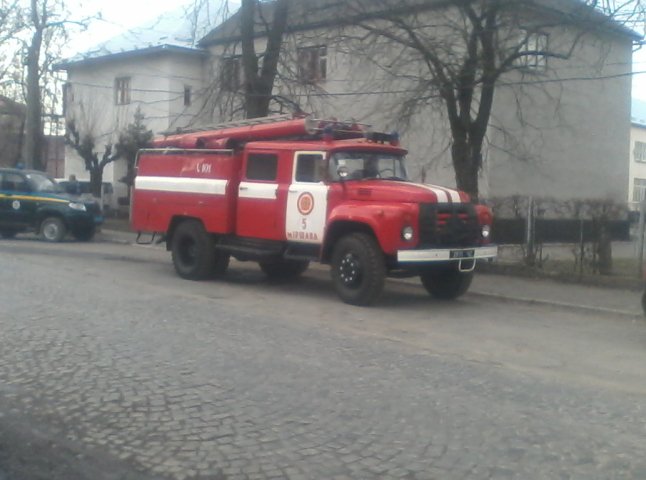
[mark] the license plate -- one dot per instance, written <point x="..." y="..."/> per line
<point x="462" y="254"/>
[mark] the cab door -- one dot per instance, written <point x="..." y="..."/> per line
<point x="261" y="196"/>
<point x="17" y="206"/>
<point x="307" y="199"/>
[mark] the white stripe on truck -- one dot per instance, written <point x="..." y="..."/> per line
<point x="206" y="186"/>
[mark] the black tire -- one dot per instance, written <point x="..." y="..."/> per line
<point x="284" y="269"/>
<point x="85" y="234"/>
<point x="446" y="283"/>
<point x="52" y="229"/>
<point x="358" y="269"/>
<point x="8" y="233"/>
<point x="193" y="251"/>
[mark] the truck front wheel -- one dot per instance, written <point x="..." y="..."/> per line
<point x="358" y="269"/>
<point x="193" y="251"/>
<point x="446" y="283"/>
<point x="284" y="269"/>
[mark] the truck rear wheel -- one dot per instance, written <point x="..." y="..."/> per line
<point x="358" y="269"/>
<point x="446" y="283"/>
<point x="193" y="251"/>
<point x="284" y="269"/>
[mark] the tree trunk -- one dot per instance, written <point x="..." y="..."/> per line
<point x="96" y="180"/>
<point x="466" y="165"/>
<point x="33" y="145"/>
<point x="259" y="82"/>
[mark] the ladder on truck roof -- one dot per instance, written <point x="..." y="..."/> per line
<point x="316" y="124"/>
<point x="234" y="123"/>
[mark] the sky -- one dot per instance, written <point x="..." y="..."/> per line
<point x="118" y="16"/>
<point x="121" y="15"/>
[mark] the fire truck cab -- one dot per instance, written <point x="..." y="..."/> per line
<point x="288" y="191"/>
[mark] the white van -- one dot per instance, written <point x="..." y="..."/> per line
<point x="85" y="190"/>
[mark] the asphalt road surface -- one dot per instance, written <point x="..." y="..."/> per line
<point x="112" y="367"/>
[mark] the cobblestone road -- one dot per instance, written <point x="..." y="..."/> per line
<point x="239" y="379"/>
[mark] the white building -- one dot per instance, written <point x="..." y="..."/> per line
<point x="155" y="68"/>
<point x="560" y="132"/>
<point x="637" y="185"/>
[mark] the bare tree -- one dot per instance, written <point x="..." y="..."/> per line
<point x="260" y="74"/>
<point x="48" y="22"/>
<point x="457" y="53"/>
<point x="84" y="144"/>
<point x="11" y="23"/>
<point x="248" y="68"/>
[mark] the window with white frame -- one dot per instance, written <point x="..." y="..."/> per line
<point x="232" y="74"/>
<point x="640" y="152"/>
<point x="122" y="90"/>
<point x="639" y="189"/>
<point x="531" y="51"/>
<point x="312" y="64"/>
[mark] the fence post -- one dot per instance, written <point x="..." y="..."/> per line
<point x="530" y="255"/>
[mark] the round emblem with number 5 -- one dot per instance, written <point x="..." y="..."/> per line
<point x="305" y="203"/>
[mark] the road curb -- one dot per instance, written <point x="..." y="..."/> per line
<point x="562" y="305"/>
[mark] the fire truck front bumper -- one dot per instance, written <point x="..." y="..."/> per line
<point x="446" y="254"/>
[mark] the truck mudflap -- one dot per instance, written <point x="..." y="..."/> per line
<point x="446" y="254"/>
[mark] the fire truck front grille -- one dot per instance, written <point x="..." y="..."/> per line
<point x="448" y="225"/>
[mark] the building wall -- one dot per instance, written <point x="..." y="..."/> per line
<point x="157" y="88"/>
<point x="637" y="183"/>
<point x="12" y="119"/>
<point x="561" y="133"/>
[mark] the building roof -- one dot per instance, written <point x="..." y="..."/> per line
<point x="310" y="14"/>
<point x="134" y="53"/>
<point x="175" y="31"/>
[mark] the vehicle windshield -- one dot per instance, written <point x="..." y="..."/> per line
<point x="42" y="183"/>
<point x="364" y="165"/>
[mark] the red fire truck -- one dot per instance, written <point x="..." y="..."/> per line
<point x="288" y="191"/>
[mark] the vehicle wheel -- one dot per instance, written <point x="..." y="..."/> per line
<point x="358" y="269"/>
<point x="85" y="234"/>
<point x="8" y="233"/>
<point x="284" y="269"/>
<point x="446" y="283"/>
<point x="53" y="229"/>
<point x="193" y="251"/>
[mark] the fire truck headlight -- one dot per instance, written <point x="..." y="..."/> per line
<point x="486" y="231"/>
<point x="408" y="233"/>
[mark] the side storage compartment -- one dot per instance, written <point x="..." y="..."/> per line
<point x="170" y="183"/>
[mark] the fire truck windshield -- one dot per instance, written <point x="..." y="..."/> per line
<point x="363" y="165"/>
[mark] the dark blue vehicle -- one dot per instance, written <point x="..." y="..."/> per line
<point x="32" y="201"/>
